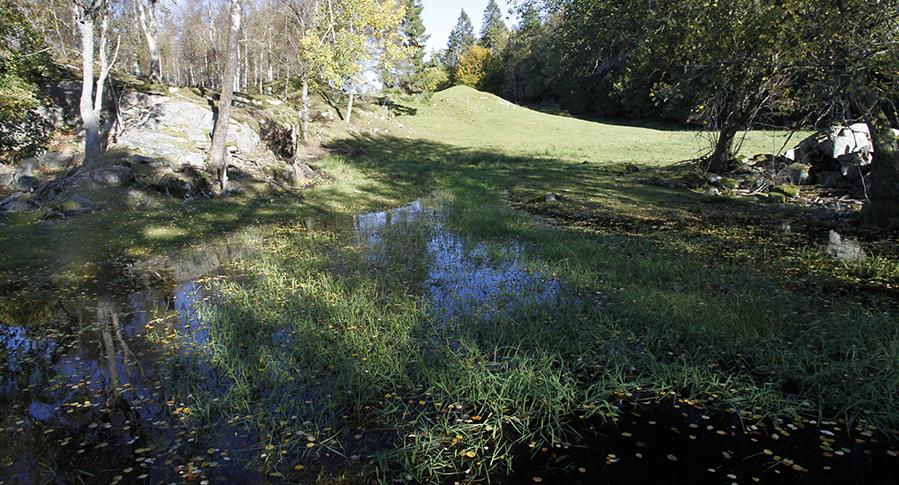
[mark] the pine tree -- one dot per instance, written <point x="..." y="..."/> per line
<point x="460" y="40"/>
<point x="494" y="33"/>
<point x="414" y="40"/>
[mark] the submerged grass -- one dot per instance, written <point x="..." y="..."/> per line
<point x="467" y="401"/>
<point x="331" y="349"/>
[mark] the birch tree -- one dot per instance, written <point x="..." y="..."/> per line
<point x="90" y="13"/>
<point x="348" y="33"/>
<point x="149" y="25"/>
<point x="218" y="155"/>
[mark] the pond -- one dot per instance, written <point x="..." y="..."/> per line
<point x="88" y="382"/>
<point x="93" y="380"/>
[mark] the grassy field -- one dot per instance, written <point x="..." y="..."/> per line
<point x="705" y="300"/>
<point x="700" y="300"/>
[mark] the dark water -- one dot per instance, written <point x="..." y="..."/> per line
<point x="89" y="384"/>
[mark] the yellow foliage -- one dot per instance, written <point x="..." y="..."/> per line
<point x="473" y="64"/>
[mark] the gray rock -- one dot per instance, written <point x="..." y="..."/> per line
<point x="56" y="160"/>
<point x="18" y="205"/>
<point x="799" y="174"/>
<point x="713" y="191"/>
<point x="112" y="176"/>
<point x="77" y="204"/>
<point x="552" y="197"/>
<point x="853" y="139"/>
<point x="7" y="180"/>
<point x="171" y="123"/>
<point x="830" y="180"/>
<point x="27" y="184"/>
<point x="27" y="167"/>
<point x="844" y="249"/>
<point x="715" y="179"/>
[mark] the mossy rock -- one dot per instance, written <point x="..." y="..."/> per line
<point x="730" y="184"/>
<point x="790" y="191"/>
<point x="773" y="198"/>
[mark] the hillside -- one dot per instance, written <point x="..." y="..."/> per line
<point x="462" y="116"/>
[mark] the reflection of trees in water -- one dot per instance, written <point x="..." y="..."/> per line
<point x="112" y="348"/>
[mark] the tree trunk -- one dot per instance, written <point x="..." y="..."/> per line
<point x="721" y="160"/>
<point x="218" y="156"/>
<point x="304" y="113"/>
<point x="349" y="104"/>
<point x="89" y="117"/>
<point x="882" y="209"/>
<point x="150" y="28"/>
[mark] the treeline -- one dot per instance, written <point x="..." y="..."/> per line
<point x="728" y="65"/>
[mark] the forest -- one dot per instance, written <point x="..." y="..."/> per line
<point x="575" y="241"/>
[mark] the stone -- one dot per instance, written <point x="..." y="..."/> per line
<point x="631" y="168"/>
<point x="18" y="204"/>
<point x="552" y="197"/>
<point x="112" y="176"/>
<point x="789" y="191"/>
<point x="27" y="167"/>
<point x="7" y="180"/>
<point x="844" y="249"/>
<point x="848" y="140"/>
<point x="830" y="180"/>
<point x="56" y="161"/>
<point x="774" y="198"/>
<point x="172" y="127"/>
<point x="800" y="174"/>
<point x="77" y="204"/>
<point x="715" y="179"/>
<point x="27" y="184"/>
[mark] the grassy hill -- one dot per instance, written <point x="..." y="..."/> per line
<point x="462" y="116"/>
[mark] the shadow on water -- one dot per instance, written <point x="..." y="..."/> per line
<point x="96" y="387"/>
<point x="89" y="393"/>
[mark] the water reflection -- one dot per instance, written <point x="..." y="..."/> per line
<point x="100" y="384"/>
<point x="464" y="279"/>
<point x="87" y="389"/>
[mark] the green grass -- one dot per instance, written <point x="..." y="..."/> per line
<point x="463" y="117"/>
<point x="705" y="299"/>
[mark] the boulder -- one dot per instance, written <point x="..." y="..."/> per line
<point x="844" y="249"/>
<point x="789" y="191"/>
<point x="27" y="184"/>
<point x="77" y="204"/>
<point x="27" y="167"/>
<point x="841" y="148"/>
<point x="56" y="161"/>
<point x="830" y="180"/>
<point x="18" y="204"/>
<point x="7" y="179"/>
<point x="176" y="129"/>
<point x="800" y="173"/>
<point x="112" y="176"/>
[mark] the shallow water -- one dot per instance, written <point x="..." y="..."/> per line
<point x="89" y="379"/>
<point x="89" y="385"/>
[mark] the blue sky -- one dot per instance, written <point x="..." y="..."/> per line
<point x="440" y="16"/>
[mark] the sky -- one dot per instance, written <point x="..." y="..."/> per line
<point x="440" y="17"/>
